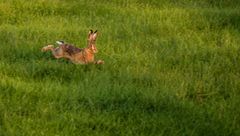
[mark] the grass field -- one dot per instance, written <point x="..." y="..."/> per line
<point x="171" y="68"/>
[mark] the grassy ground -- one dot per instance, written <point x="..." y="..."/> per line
<point x="172" y="68"/>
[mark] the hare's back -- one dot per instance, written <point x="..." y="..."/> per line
<point x="70" y="49"/>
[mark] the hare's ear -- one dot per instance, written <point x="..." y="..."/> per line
<point x="90" y="33"/>
<point x="95" y="35"/>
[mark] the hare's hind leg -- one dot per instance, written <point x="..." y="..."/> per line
<point x="58" y="52"/>
<point x="47" y="48"/>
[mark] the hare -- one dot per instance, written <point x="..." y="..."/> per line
<point x="74" y="54"/>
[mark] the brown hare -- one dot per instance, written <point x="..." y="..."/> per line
<point x="74" y="54"/>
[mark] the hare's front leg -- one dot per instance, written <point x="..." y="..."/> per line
<point x="99" y="62"/>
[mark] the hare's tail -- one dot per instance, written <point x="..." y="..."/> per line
<point x="60" y="42"/>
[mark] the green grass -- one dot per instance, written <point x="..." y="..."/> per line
<point x="171" y="68"/>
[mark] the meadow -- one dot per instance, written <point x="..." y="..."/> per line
<point x="171" y="68"/>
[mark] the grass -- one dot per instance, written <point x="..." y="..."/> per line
<point x="171" y="68"/>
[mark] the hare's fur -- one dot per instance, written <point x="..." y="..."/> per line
<point x="74" y="54"/>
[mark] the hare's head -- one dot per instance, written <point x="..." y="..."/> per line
<point x="92" y="36"/>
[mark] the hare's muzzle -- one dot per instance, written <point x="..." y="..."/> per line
<point x="94" y="49"/>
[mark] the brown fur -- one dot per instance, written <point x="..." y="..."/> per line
<point x="74" y="54"/>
